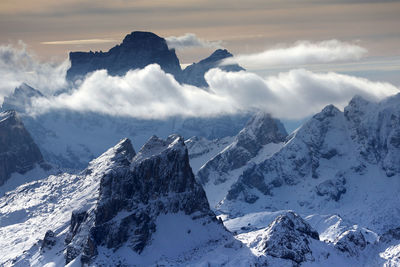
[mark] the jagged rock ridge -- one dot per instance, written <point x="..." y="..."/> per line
<point x="158" y="180"/>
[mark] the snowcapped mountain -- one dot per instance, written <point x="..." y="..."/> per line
<point x="194" y="74"/>
<point x="337" y="162"/>
<point x="326" y="195"/>
<point x="124" y="209"/>
<point x="261" y="138"/>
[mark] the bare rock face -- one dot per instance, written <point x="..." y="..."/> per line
<point x="133" y="193"/>
<point x="49" y="240"/>
<point x="287" y="237"/>
<point x="18" y="152"/>
<point x="137" y="50"/>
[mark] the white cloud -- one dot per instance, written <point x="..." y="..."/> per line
<point x="302" y="52"/>
<point x="148" y="93"/>
<point x="294" y="94"/>
<point x="152" y="94"/>
<point x="190" y="40"/>
<point x="17" y="65"/>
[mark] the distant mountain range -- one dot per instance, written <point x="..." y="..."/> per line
<point x="140" y="49"/>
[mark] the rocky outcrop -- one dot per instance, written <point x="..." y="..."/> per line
<point x="351" y="242"/>
<point x="137" y="50"/>
<point x="194" y="74"/>
<point x="287" y="237"/>
<point x="137" y="189"/>
<point x="18" y="151"/>
<point x="332" y="188"/>
<point x="49" y="240"/>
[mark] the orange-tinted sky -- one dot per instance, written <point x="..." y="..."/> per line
<point x="242" y="26"/>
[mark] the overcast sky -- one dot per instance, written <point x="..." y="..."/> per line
<point x="241" y="26"/>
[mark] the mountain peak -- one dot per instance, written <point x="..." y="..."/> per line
<point x="159" y="181"/>
<point x="144" y="40"/>
<point x="20" y="98"/>
<point x="137" y="50"/>
<point x="265" y="129"/>
<point x="194" y="74"/>
<point x="218" y="54"/>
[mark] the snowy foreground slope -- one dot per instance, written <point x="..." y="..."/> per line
<point x="124" y="209"/>
<point x="326" y="195"/>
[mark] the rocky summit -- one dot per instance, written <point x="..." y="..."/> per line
<point x="137" y="50"/>
<point x="158" y="180"/>
<point x="194" y="74"/>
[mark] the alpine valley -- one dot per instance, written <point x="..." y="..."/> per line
<point x="88" y="189"/>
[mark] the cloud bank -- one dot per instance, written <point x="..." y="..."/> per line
<point x="190" y="40"/>
<point x="17" y="65"/>
<point x="150" y="93"/>
<point x="302" y="52"/>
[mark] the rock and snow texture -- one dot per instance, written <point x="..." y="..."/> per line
<point x="201" y="150"/>
<point x="287" y="237"/>
<point x="337" y="163"/>
<point x="194" y="74"/>
<point x="156" y="185"/>
<point x="137" y="50"/>
<point x="261" y="137"/>
<point x="18" y="152"/>
<point x="125" y="208"/>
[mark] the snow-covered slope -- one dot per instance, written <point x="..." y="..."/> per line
<point x="201" y="149"/>
<point x="337" y="163"/>
<point x="260" y="139"/>
<point x="124" y="209"/>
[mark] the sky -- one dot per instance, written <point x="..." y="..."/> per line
<point x="316" y="51"/>
<point x="242" y="26"/>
